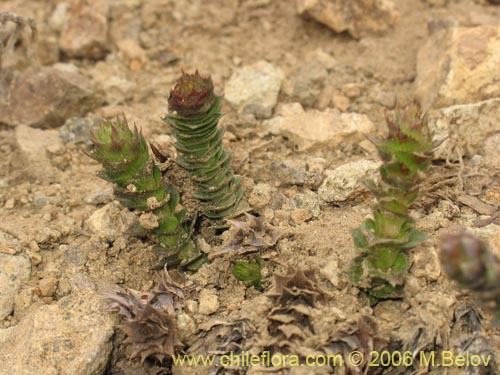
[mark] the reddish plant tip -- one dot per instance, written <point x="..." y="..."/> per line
<point x="192" y="94"/>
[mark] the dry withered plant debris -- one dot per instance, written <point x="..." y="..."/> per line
<point x="467" y="337"/>
<point x="295" y="295"/>
<point x="149" y="321"/>
<point x="248" y="236"/>
<point x="360" y="335"/>
<point x="220" y="338"/>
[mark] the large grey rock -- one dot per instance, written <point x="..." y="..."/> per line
<point x="254" y="89"/>
<point x="459" y="66"/>
<point x="358" y="17"/>
<point x="347" y="181"/>
<point x="72" y="336"/>
<point x="308" y="129"/>
<point x="463" y="129"/>
<point x="85" y="33"/>
<point x="45" y="97"/>
<point x="14" y="271"/>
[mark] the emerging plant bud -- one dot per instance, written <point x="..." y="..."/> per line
<point x="464" y="258"/>
<point x="468" y="261"/>
<point x="194" y="115"/>
<point x="249" y="272"/>
<point x="192" y="95"/>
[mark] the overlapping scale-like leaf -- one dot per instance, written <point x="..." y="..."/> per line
<point x="194" y="117"/>
<point x="124" y="155"/>
<point x="384" y="240"/>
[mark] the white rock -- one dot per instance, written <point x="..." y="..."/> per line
<point x="463" y="129"/>
<point x="347" y="181"/>
<point x="319" y="128"/>
<point x="209" y="301"/>
<point x="110" y="221"/>
<point x="14" y="271"/>
<point x="72" y="336"/>
<point x="358" y="17"/>
<point x="331" y="271"/>
<point x="459" y="66"/>
<point x="254" y="89"/>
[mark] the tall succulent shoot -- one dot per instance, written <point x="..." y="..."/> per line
<point x="386" y="238"/>
<point x="125" y="159"/>
<point x="194" y="112"/>
<point x="468" y="261"/>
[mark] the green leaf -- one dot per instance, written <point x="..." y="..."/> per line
<point x="249" y="272"/>
<point x="359" y="238"/>
<point x="416" y="237"/>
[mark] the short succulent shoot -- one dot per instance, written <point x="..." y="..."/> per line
<point x="468" y="261"/>
<point x="249" y="272"/>
<point x="124" y="156"/>
<point x="194" y="115"/>
<point x="386" y="238"/>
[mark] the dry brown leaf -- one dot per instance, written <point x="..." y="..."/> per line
<point x="250" y="235"/>
<point x="297" y="284"/>
<point x="149" y="320"/>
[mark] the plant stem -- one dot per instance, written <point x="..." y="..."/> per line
<point x="194" y="116"/>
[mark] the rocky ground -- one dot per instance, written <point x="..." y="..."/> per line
<point x="302" y="82"/>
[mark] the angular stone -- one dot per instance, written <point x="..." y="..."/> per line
<point x="110" y="221"/>
<point x="459" y="66"/>
<point x="77" y="129"/>
<point x="307" y="81"/>
<point x="32" y="146"/>
<point x="308" y="129"/>
<point x="295" y="172"/>
<point x="47" y="96"/>
<point x="85" y="34"/>
<point x="358" y="17"/>
<point x="72" y="336"/>
<point x="254" y="89"/>
<point x="346" y="182"/>
<point x="426" y="264"/>
<point x="464" y="129"/>
<point x="14" y="271"/>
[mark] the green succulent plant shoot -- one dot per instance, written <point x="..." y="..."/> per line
<point x="386" y="238"/>
<point x="249" y="272"/>
<point x="124" y="156"/>
<point x="473" y="266"/>
<point x="194" y="113"/>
